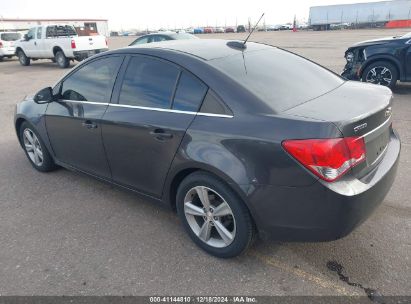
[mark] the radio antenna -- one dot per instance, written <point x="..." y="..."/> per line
<point x="252" y="31"/>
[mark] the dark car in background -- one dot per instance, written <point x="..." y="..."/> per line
<point x="380" y="61"/>
<point x="241" y="29"/>
<point x="218" y="132"/>
<point x="158" y="37"/>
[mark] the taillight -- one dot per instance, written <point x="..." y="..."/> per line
<point x="1" y="44"/>
<point x="329" y="159"/>
<point x="73" y="44"/>
<point x="106" y="42"/>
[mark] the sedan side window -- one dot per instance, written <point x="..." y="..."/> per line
<point x="92" y="82"/>
<point x="148" y="83"/>
<point x="159" y="38"/>
<point x="141" y="41"/>
<point x="190" y="93"/>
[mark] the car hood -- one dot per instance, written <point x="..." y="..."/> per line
<point x="376" y="41"/>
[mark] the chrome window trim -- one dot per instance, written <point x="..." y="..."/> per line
<point x="149" y="108"/>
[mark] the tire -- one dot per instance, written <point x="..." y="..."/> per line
<point x="382" y="73"/>
<point x="62" y="60"/>
<point x="234" y="223"/>
<point x="23" y="59"/>
<point x="1" y="58"/>
<point x="45" y="162"/>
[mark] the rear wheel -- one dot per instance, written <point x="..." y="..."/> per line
<point x="23" y="59"/>
<point x="62" y="60"/>
<point x="213" y="216"/>
<point x="382" y="73"/>
<point x="1" y="58"/>
<point x="35" y="149"/>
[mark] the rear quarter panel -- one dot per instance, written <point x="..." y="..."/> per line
<point x="246" y="151"/>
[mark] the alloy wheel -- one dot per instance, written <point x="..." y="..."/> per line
<point x="209" y="217"/>
<point x="21" y="58"/>
<point x="60" y="59"/>
<point x="33" y="147"/>
<point x="379" y="75"/>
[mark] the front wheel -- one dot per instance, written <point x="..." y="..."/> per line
<point x="23" y="59"/>
<point x="35" y="149"/>
<point x="214" y="216"/>
<point x="62" y="60"/>
<point x="382" y="73"/>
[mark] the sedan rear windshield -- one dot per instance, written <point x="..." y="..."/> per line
<point x="10" y="36"/>
<point x="280" y="79"/>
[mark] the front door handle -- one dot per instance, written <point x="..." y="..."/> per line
<point x="160" y="134"/>
<point x="89" y="124"/>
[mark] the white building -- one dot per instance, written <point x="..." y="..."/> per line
<point x="83" y="26"/>
<point x="357" y="13"/>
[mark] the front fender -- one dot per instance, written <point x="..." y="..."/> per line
<point x="33" y="113"/>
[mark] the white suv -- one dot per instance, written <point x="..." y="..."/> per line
<point x="7" y="42"/>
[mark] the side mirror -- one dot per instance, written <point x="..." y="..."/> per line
<point x="44" y="96"/>
<point x="26" y="37"/>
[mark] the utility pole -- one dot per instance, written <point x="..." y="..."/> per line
<point x="2" y="23"/>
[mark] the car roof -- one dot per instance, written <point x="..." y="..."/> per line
<point x="206" y="49"/>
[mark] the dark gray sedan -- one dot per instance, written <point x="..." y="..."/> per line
<point x="162" y="36"/>
<point x="239" y="140"/>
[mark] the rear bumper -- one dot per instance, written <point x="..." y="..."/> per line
<point x="323" y="211"/>
<point x="81" y="55"/>
<point x="7" y="51"/>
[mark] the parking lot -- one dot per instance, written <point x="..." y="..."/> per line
<point x="64" y="233"/>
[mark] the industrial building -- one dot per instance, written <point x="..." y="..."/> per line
<point x="83" y="26"/>
<point x="384" y="13"/>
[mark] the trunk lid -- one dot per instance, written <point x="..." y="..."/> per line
<point x="90" y="43"/>
<point x="357" y="109"/>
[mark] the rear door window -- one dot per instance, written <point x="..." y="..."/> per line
<point x="190" y="93"/>
<point x="148" y="82"/>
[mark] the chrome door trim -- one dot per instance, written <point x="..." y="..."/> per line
<point x="149" y="108"/>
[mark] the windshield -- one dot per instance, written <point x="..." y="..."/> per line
<point x="10" y="36"/>
<point x="183" y="36"/>
<point x="280" y="79"/>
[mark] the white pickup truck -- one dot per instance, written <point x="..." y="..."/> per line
<point x="59" y="43"/>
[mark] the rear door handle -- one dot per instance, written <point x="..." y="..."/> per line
<point x="89" y="124"/>
<point x="160" y="134"/>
